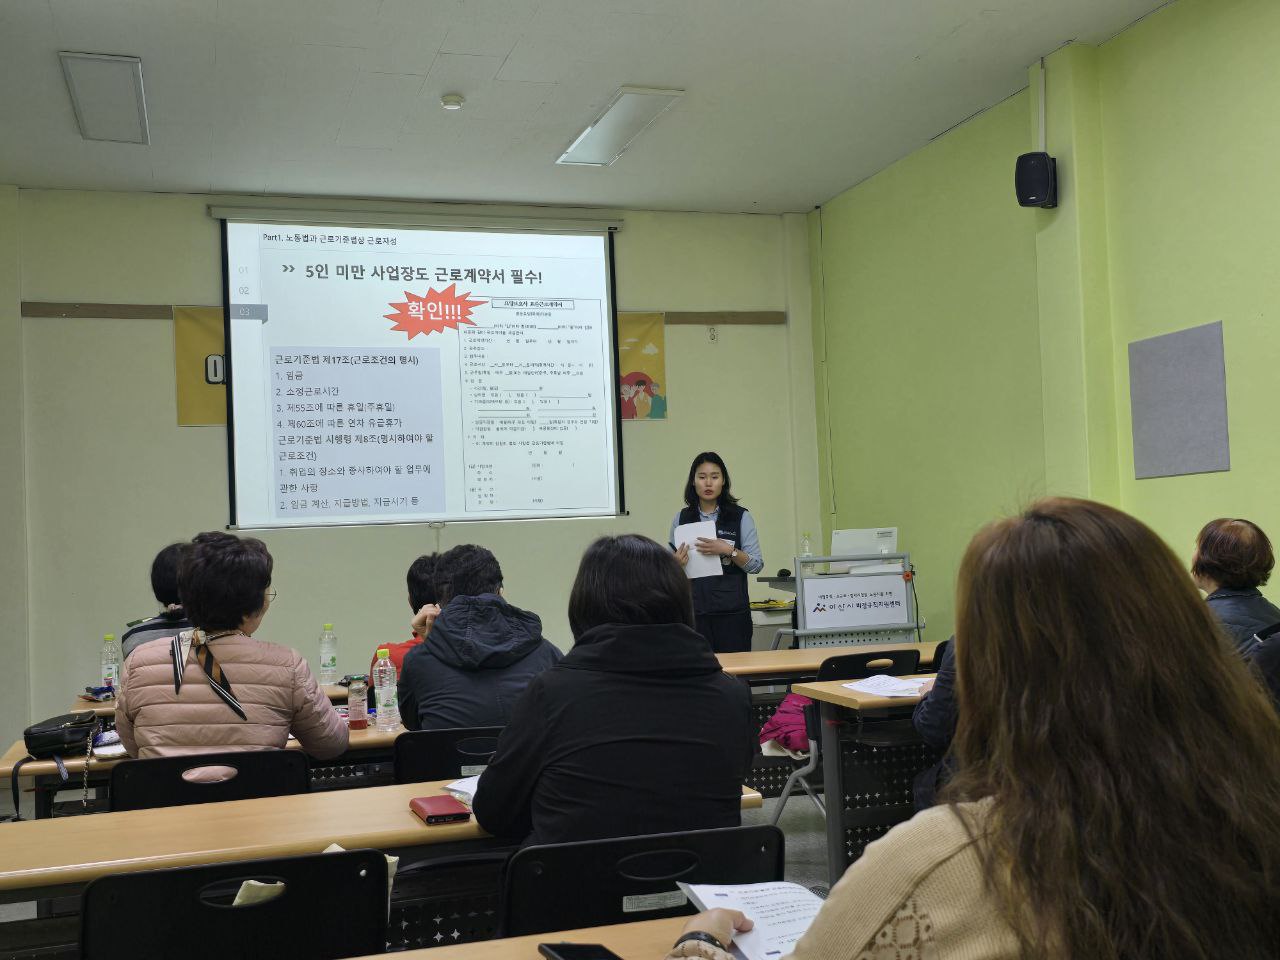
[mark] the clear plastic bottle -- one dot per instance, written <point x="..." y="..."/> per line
<point x="384" y="688"/>
<point x="328" y="655"/>
<point x="111" y="662"/>
<point x="358" y="703"/>
<point x="806" y="549"/>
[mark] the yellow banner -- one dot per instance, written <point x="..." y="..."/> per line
<point x="198" y="350"/>
<point x="642" y="365"/>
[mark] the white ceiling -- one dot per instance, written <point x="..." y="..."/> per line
<point x="789" y="102"/>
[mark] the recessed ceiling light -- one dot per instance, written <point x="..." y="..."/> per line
<point x="452" y="101"/>
<point x="106" y="92"/>
<point x="628" y="114"/>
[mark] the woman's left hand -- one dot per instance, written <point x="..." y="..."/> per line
<point x="720" y="923"/>
<point x="715" y="548"/>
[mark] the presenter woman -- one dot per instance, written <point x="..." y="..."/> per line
<point x="720" y="604"/>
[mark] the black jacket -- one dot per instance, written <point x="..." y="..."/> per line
<point x="935" y="720"/>
<point x="474" y="665"/>
<point x="1265" y="659"/>
<point x="1242" y="613"/>
<point x="637" y="731"/>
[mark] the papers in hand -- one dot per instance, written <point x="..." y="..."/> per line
<point x="885" y="686"/>
<point x="699" y="565"/>
<point x="781" y="913"/>
<point x="464" y="789"/>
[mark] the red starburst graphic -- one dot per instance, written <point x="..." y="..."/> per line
<point x="439" y="310"/>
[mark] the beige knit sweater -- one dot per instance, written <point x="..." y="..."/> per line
<point x="915" y="894"/>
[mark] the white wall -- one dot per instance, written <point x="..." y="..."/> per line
<point x="110" y="478"/>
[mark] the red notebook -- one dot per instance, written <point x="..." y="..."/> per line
<point x="440" y="809"/>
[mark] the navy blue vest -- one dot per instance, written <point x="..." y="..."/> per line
<point x="726" y="593"/>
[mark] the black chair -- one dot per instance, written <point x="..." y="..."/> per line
<point x="161" y="782"/>
<point x="851" y="666"/>
<point x="859" y="666"/>
<point x="565" y="886"/>
<point x="333" y="905"/>
<point x="444" y="754"/>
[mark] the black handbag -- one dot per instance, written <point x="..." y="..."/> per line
<point x="66" y="736"/>
<point x="69" y="735"/>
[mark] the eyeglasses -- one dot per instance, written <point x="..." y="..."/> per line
<point x="271" y="596"/>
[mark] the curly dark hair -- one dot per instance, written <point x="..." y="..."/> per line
<point x="466" y="571"/>
<point x="223" y="579"/>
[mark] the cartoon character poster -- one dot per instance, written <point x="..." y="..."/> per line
<point x="642" y="366"/>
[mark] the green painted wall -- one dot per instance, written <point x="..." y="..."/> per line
<point x="1188" y="111"/>
<point x="930" y="337"/>
<point x="976" y="354"/>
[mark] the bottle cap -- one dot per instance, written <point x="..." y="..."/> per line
<point x="328" y="626"/>
<point x="383" y="653"/>
<point x="108" y="638"/>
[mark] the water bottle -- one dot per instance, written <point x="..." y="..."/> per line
<point x="111" y="663"/>
<point x="384" y="687"/>
<point x="328" y="655"/>
<point x="805" y="549"/>
<point x="358" y="704"/>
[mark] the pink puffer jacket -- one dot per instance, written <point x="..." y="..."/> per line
<point x="272" y="683"/>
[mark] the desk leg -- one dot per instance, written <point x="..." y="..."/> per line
<point x="833" y="789"/>
<point x="46" y="788"/>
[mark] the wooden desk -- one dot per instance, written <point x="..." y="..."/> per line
<point x="836" y="693"/>
<point x="769" y="673"/>
<point x="43" y="854"/>
<point x="806" y="660"/>
<point x="335" y="693"/>
<point x="368" y="756"/>
<point x="642" y="940"/>
<point x="871" y="754"/>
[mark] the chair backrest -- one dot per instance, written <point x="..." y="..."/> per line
<point x="565" y="886"/>
<point x="858" y="666"/>
<point x="444" y="754"/>
<point x="333" y="905"/>
<point x="939" y="652"/>
<point x="175" y="781"/>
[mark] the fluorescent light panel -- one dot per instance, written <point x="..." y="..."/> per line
<point x="106" y="92"/>
<point x="628" y="115"/>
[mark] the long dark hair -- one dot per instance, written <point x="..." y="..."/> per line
<point x="629" y="580"/>
<point x="1131" y="762"/>
<point x="691" y="495"/>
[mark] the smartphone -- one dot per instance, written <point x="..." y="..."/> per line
<point x="576" y="951"/>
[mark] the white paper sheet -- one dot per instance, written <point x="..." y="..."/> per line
<point x="885" y="686"/>
<point x="781" y="913"/>
<point x="698" y="565"/>
<point x="464" y="789"/>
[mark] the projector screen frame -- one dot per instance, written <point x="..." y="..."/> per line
<point x="606" y="229"/>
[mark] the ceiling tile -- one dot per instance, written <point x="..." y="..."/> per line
<point x="378" y="107"/>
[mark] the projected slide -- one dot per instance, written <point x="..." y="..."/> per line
<point x="389" y="375"/>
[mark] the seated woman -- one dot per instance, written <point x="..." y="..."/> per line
<point x="1116" y="784"/>
<point x="637" y="730"/>
<point x="1233" y="559"/>
<point x="234" y="692"/>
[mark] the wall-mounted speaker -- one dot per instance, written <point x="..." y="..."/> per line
<point x="1035" y="178"/>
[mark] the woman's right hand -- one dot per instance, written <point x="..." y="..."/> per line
<point x="424" y="618"/>
<point x="683" y="554"/>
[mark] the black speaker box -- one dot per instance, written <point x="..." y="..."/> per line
<point x="1035" y="178"/>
